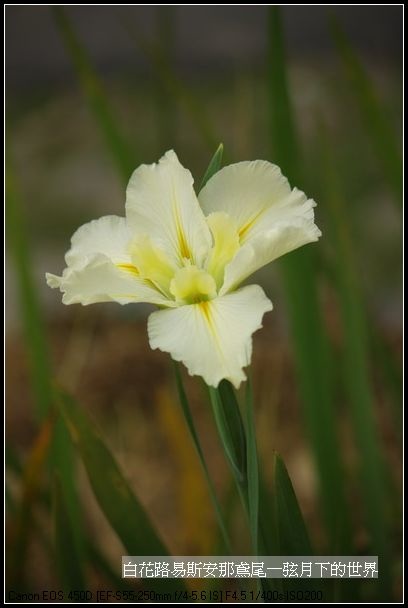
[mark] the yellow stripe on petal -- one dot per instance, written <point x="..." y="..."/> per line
<point x="184" y="249"/>
<point x="161" y="202"/>
<point x="100" y="280"/>
<point x="225" y="244"/>
<point x="151" y="263"/>
<point x="129" y="268"/>
<point x="246" y="227"/>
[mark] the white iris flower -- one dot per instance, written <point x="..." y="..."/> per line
<point x="189" y="256"/>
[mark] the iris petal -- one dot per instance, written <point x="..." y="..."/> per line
<point x="214" y="338"/>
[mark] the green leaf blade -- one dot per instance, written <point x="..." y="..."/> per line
<point x="60" y="458"/>
<point x="291" y="528"/>
<point x="119" y="504"/>
<point x="68" y="559"/>
<point x="214" y="166"/>
<point x="30" y="310"/>
<point x="230" y="427"/>
<point x="117" y="501"/>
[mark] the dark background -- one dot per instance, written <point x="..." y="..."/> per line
<point x="208" y="38"/>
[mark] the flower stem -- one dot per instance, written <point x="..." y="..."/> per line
<point x="185" y="406"/>
<point x="252" y="466"/>
<point x="239" y="445"/>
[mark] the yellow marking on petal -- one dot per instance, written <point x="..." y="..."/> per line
<point x="181" y="239"/>
<point x="129" y="268"/>
<point x="191" y="285"/>
<point x="226" y="244"/>
<point x="152" y="263"/>
<point x="243" y="231"/>
<point x="205" y="309"/>
<point x="133" y="270"/>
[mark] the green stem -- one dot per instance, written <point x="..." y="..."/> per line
<point x="231" y="430"/>
<point x="240" y="449"/>
<point x="185" y="406"/>
<point x="252" y="467"/>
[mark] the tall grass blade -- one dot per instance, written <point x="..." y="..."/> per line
<point x="31" y="482"/>
<point x="96" y="96"/>
<point x="60" y="455"/>
<point x="356" y="366"/>
<point x="96" y="558"/>
<point x="119" y="504"/>
<point x="30" y="310"/>
<point x="63" y="461"/>
<point x="312" y="354"/>
<point x="115" y="498"/>
<point x="68" y="560"/>
<point x="291" y="528"/>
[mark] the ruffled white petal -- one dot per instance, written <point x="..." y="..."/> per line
<point x="271" y="219"/>
<point x="290" y="210"/>
<point x="265" y="247"/>
<point x="109" y="235"/>
<point x="213" y="338"/>
<point x="161" y="203"/>
<point x="98" y="279"/>
<point x="245" y="191"/>
<point x="100" y="267"/>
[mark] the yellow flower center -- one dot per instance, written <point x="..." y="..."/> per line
<point x="188" y="284"/>
<point x="191" y="285"/>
